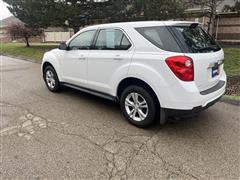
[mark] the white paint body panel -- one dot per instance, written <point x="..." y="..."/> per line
<point x="106" y="67"/>
<point x="73" y="66"/>
<point x="103" y="70"/>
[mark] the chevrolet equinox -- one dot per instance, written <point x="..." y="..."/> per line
<point x="153" y="69"/>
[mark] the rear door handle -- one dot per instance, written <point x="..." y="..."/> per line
<point x="82" y="57"/>
<point x="118" y="58"/>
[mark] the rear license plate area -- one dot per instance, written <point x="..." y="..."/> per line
<point x="215" y="71"/>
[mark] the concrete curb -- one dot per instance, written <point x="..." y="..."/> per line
<point x="23" y="58"/>
<point x="230" y="101"/>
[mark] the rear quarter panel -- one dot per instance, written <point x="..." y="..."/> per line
<point x="152" y="69"/>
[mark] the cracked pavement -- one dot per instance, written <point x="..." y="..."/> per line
<point x="73" y="135"/>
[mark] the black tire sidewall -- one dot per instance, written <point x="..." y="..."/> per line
<point x="150" y="101"/>
<point x="57" y="84"/>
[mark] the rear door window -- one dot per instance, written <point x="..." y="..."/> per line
<point x="112" y="39"/>
<point x="161" y="37"/>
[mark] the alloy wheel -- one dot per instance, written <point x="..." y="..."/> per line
<point x="136" y="106"/>
<point x="50" y="79"/>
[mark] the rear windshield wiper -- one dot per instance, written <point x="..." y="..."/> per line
<point x="208" y="48"/>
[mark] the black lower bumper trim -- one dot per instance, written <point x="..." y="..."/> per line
<point x="177" y="112"/>
<point x="218" y="86"/>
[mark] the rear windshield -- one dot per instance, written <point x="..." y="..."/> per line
<point x="195" y="39"/>
<point x="184" y="39"/>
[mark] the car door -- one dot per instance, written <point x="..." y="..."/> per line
<point x="74" y="60"/>
<point x="109" y="59"/>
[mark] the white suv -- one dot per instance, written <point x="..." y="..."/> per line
<point x="154" y="69"/>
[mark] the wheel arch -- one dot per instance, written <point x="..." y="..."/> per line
<point x="45" y="64"/>
<point x="136" y="81"/>
<point x="51" y="60"/>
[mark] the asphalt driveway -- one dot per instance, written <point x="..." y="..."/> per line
<point x="72" y="135"/>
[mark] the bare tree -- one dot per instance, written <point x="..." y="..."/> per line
<point x="20" y="31"/>
<point x="212" y="6"/>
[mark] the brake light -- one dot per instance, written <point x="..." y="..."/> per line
<point x="182" y="67"/>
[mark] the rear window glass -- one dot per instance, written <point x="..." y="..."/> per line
<point x="195" y="39"/>
<point x="112" y="39"/>
<point x="160" y="37"/>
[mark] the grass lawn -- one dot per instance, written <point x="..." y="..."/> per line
<point x="232" y="61"/>
<point x="237" y="98"/>
<point x="34" y="52"/>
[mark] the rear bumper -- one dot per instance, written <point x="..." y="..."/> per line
<point x="187" y="97"/>
<point x="218" y="86"/>
<point x="177" y="112"/>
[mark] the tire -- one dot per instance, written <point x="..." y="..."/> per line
<point x="51" y="79"/>
<point x="140" y="112"/>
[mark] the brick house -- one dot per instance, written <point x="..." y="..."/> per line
<point x="227" y="24"/>
<point x="227" y="27"/>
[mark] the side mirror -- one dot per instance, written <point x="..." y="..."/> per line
<point x="63" y="46"/>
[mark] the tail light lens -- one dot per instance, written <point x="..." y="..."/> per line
<point x="182" y="67"/>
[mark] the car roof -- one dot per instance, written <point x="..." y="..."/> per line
<point x="138" y="24"/>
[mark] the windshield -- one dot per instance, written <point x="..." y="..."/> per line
<point x="195" y="39"/>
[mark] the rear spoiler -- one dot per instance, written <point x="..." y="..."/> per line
<point x="185" y="23"/>
<point x="193" y="25"/>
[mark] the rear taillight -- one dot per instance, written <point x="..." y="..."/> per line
<point x="182" y="67"/>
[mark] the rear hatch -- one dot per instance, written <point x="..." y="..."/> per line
<point x="206" y="54"/>
<point x="208" y="69"/>
<point x="191" y="40"/>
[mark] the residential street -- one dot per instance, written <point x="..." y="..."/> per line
<point x="73" y="135"/>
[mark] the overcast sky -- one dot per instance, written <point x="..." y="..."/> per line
<point x="4" y="12"/>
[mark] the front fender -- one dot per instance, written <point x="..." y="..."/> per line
<point x="51" y="58"/>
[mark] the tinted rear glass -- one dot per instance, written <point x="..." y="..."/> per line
<point x="194" y="39"/>
<point x="184" y="39"/>
<point x="160" y="37"/>
<point x="112" y="39"/>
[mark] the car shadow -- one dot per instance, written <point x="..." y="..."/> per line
<point x="176" y="123"/>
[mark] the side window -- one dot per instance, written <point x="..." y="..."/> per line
<point x="160" y="37"/>
<point x="82" y="41"/>
<point x="112" y="39"/>
<point x="125" y="44"/>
